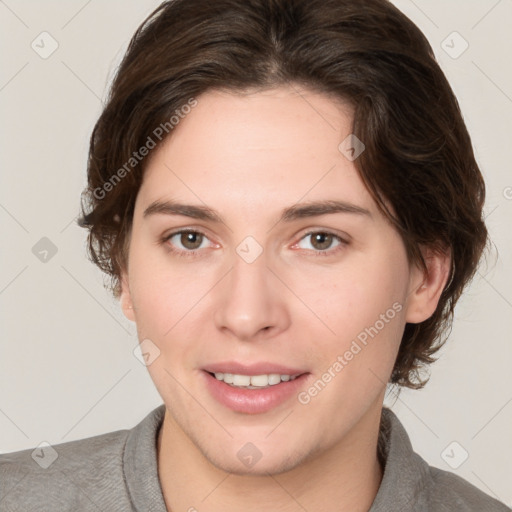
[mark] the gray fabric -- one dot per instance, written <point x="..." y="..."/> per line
<point x="118" y="472"/>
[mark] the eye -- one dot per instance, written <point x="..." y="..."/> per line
<point x="185" y="242"/>
<point x="321" y="242"/>
<point x="188" y="242"/>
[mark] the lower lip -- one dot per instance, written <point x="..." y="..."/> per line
<point x="253" y="401"/>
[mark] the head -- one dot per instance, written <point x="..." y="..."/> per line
<point x="262" y="114"/>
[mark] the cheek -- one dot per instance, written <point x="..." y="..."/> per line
<point x="354" y="363"/>
<point x="165" y="292"/>
<point x="362" y="306"/>
<point x="354" y="296"/>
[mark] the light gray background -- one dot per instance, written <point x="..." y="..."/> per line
<point x="67" y="368"/>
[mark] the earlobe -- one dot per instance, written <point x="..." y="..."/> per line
<point x="126" y="299"/>
<point x="427" y="287"/>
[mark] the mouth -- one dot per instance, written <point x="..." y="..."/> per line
<point x="252" y="390"/>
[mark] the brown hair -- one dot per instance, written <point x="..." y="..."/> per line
<point x="418" y="155"/>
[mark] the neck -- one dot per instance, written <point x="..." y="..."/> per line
<point x="346" y="477"/>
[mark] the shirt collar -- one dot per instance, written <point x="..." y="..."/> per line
<point x="405" y="472"/>
<point x="140" y="463"/>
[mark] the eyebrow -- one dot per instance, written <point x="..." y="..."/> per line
<point x="298" y="211"/>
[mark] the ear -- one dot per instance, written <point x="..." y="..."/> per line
<point x="126" y="298"/>
<point x="426" y="287"/>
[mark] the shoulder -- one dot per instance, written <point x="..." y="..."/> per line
<point x="82" y="473"/>
<point x="410" y="484"/>
<point x="449" y="492"/>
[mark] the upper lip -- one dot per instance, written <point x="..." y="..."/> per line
<point x="261" y="368"/>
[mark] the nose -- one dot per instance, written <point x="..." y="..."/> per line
<point x="251" y="301"/>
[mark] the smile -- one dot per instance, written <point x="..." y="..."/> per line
<point x="253" y="394"/>
<point x="253" y="381"/>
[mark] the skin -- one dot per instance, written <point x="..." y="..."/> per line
<point x="300" y="303"/>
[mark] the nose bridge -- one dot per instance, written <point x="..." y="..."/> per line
<point x="250" y="299"/>
<point x="249" y="279"/>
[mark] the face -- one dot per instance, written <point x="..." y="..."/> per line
<point x="258" y="277"/>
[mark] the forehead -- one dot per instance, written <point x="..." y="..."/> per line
<point x="257" y="149"/>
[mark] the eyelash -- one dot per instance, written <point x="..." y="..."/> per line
<point x="194" y="253"/>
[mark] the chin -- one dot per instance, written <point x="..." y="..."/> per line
<point x="275" y="464"/>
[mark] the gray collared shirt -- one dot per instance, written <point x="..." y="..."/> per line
<point x="118" y="471"/>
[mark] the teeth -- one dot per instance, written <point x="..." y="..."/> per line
<point x="274" y="378"/>
<point x="260" y="380"/>
<point x="241" y="380"/>
<point x="254" y="381"/>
